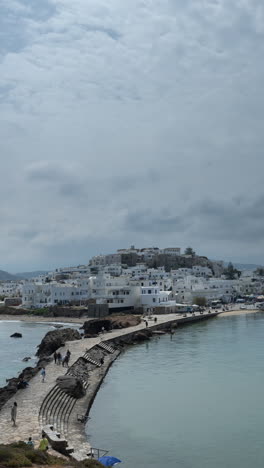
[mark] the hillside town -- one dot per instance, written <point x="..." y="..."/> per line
<point x="132" y="279"/>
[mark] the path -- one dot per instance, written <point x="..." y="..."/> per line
<point x="29" y="400"/>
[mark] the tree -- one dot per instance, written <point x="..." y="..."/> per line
<point x="230" y="272"/>
<point x="259" y="271"/>
<point x="200" y="301"/>
<point x="189" y="251"/>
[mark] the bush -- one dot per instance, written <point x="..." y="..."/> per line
<point x="13" y="457"/>
<point x="19" y="454"/>
<point x="200" y="301"/>
<point x="92" y="464"/>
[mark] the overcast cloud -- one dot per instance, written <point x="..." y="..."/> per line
<point x="130" y="122"/>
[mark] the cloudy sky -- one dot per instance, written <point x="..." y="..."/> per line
<point x="130" y="122"/>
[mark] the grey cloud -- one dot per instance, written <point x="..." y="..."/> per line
<point x="112" y="33"/>
<point x="149" y="221"/>
<point x="135" y="123"/>
<point x="45" y="173"/>
<point x="230" y="221"/>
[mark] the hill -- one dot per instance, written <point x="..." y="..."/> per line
<point x="5" y="276"/>
<point x="30" y="274"/>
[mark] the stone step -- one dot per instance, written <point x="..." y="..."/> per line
<point x="106" y="347"/>
<point x="91" y="360"/>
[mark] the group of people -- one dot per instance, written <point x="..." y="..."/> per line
<point x="43" y="444"/>
<point x="58" y="359"/>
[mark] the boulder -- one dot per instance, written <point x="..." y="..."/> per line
<point x="55" y="339"/>
<point x="71" y="385"/>
<point x="16" y="335"/>
<point x="11" y="388"/>
<point x="25" y="359"/>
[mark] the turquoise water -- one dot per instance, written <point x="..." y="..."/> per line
<point x="13" y="350"/>
<point x="193" y="400"/>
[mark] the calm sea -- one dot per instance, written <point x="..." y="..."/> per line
<point x="13" y="350"/>
<point x="193" y="400"/>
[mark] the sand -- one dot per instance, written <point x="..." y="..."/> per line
<point x="239" y="312"/>
<point x="34" y="318"/>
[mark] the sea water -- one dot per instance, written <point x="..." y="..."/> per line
<point x="191" y="400"/>
<point x="13" y="350"/>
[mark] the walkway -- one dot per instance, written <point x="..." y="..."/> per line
<point x="29" y="400"/>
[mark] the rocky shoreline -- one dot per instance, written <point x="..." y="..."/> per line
<point x="51" y="341"/>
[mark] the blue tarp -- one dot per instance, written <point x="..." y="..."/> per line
<point x="109" y="461"/>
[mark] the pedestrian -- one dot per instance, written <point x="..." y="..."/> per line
<point x="103" y="330"/>
<point x="44" y="444"/>
<point x="55" y="356"/>
<point x="30" y="442"/>
<point x="102" y="361"/>
<point x="68" y="354"/>
<point x="146" y="323"/>
<point x="155" y="319"/>
<point x="65" y="361"/>
<point x="59" y="358"/>
<point x="43" y="374"/>
<point x="14" y="413"/>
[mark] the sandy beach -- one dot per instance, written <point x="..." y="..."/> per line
<point x="239" y="312"/>
<point x="34" y="318"/>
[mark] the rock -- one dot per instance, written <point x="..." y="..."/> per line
<point x="25" y="359"/>
<point x="16" y="335"/>
<point x="55" y="339"/>
<point x="11" y="388"/>
<point x="71" y="385"/>
<point x="56" y="325"/>
<point x="93" y="327"/>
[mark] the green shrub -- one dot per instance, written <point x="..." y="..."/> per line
<point x="38" y="457"/>
<point x="11" y="456"/>
<point x="92" y="464"/>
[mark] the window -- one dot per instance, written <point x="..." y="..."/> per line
<point x="149" y="291"/>
<point x="153" y="300"/>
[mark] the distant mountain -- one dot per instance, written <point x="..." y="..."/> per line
<point x="5" y="276"/>
<point x="245" y="266"/>
<point x="30" y="274"/>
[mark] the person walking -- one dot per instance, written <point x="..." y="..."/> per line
<point x="43" y="374"/>
<point x="14" y="413"/>
<point x="65" y="361"/>
<point x="146" y="323"/>
<point x="68" y="354"/>
<point x="55" y="356"/>
<point x="59" y="358"/>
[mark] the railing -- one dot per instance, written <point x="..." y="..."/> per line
<point x="97" y="453"/>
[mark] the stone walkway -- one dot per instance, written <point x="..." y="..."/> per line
<point x="29" y="400"/>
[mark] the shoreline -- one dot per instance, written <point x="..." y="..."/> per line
<point x="77" y="320"/>
<point x="41" y="318"/>
<point x="240" y="312"/>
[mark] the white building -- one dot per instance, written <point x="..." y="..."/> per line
<point x="118" y="293"/>
<point x="172" y="251"/>
<point x="10" y="288"/>
<point x="37" y="295"/>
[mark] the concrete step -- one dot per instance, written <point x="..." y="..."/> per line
<point x="91" y="360"/>
<point x="106" y="347"/>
